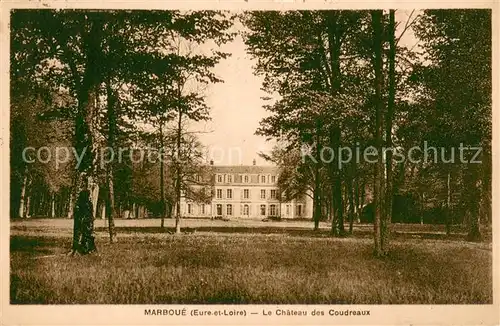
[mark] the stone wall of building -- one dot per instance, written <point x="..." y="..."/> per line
<point x="247" y="192"/>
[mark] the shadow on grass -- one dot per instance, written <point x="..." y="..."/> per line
<point x="288" y="231"/>
<point x="223" y="229"/>
<point x="38" y="245"/>
<point x="458" y="280"/>
<point x="239" y="270"/>
<point x="17" y="284"/>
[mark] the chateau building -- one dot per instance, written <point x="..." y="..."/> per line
<point x="249" y="191"/>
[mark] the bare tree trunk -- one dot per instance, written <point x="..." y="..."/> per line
<point x="85" y="136"/>
<point x="58" y="204"/>
<point x="28" y="199"/>
<point x="473" y="183"/>
<point x="178" y="174"/>
<point x="28" y="207"/>
<point x="53" y="205"/>
<point x="110" y="207"/>
<point x="363" y="194"/>
<point x="23" y="193"/>
<point x="329" y="209"/>
<point x="337" y="185"/>
<point x="162" y="176"/>
<point x="387" y="218"/>
<point x="71" y="206"/>
<point x="48" y="203"/>
<point x="378" y="193"/>
<point x="42" y="211"/>
<point x="448" y="204"/>
<point x="423" y="209"/>
<point x="334" y="33"/>
<point x="333" y="211"/>
<point x="357" y="199"/>
<point x="487" y="175"/>
<point x="317" y="182"/>
<point x="104" y="212"/>
<point x="350" y="192"/>
<point x="94" y="197"/>
<point x="112" y="129"/>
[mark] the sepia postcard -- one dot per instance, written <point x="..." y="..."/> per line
<point x="270" y="162"/>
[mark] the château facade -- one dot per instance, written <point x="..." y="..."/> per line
<point x="249" y="191"/>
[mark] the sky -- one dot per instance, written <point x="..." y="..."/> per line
<point x="236" y="105"/>
<point x="236" y="109"/>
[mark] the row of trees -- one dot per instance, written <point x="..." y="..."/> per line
<point x="344" y="79"/>
<point x="88" y="80"/>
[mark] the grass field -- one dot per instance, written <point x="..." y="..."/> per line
<point x="245" y="262"/>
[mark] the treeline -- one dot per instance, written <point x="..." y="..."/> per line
<point x="373" y="80"/>
<point x="88" y="80"/>
<point x="92" y="80"/>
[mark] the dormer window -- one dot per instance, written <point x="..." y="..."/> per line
<point x="219" y="178"/>
<point x="246" y="178"/>
<point x="263" y="179"/>
<point x="273" y="179"/>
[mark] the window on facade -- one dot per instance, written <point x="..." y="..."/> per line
<point x="246" y="193"/>
<point x="229" y="209"/>
<point x="287" y="210"/>
<point x="246" y="179"/>
<point x="219" y="193"/>
<point x="263" y="194"/>
<point x="229" y="193"/>
<point x="273" y="193"/>
<point x="219" y="178"/>
<point x="203" y="209"/>
<point x="299" y="210"/>
<point x="189" y="208"/>
<point x="263" y="179"/>
<point x="272" y="210"/>
<point x="273" y="178"/>
<point x="219" y="209"/>
<point x="229" y="178"/>
<point x="246" y="210"/>
<point x="262" y="209"/>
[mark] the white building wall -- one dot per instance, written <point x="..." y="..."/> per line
<point x="236" y="182"/>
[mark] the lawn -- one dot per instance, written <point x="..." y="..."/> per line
<point x="245" y="262"/>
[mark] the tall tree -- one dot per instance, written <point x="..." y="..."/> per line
<point x="80" y="57"/>
<point x="174" y="91"/>
<point x="389" y="189"/>
<point x="456" y="84"/>
<point x="377" y="27"/>
<point x="305" y="66"/>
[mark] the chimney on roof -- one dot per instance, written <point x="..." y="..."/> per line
<point x="211" y="162"/>
<point x="254" y="162"/>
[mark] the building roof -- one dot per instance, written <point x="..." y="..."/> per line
<point x="245" y="169"/>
